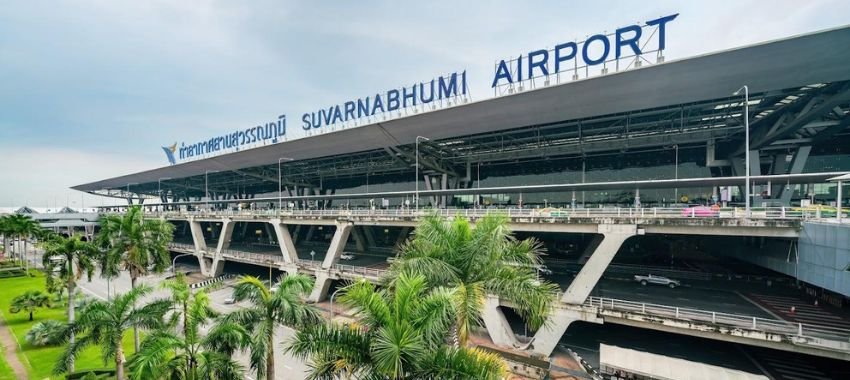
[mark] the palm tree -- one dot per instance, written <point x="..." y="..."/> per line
<point x="104" y="324"/>
<point x="29" y="302"/>
<point x="135" y="244"/>
<point x="475" y="262"/>
<point x="181" y="295"/>
<point x="23" y="227"/>
<point x="6" y="231"/>
<point x="402" y="336"/>
<point x="166" y="355"/>
<point x="74" y="258"/>
<point x="285" y="306"/>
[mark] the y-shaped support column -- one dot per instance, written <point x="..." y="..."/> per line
<point x="613" y="237"/>
<point x="323" y="278"/>
<point x="200" y="243"/>
<point x="287" y="246"/>
<point x="359" y="239"/>
<point x="497" y="325"/>
<point x="550" y="334"/>
<point x="217" y="266"/>
<point x="591" y="272"/>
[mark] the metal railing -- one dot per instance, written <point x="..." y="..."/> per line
<point x="774" y="326"/>
<point x="793" y="213"/>
<point x="361" y="271"/>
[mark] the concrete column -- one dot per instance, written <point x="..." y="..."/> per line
<point x="197" y="236"/>
<point x="797" y="165"/>
<point x="550" y="334"/>
<point x="591" y="272"/>
<point x="310" y="230"/>
<point x="497" y="325"/>
<point x="226" y="235"/>
<point x="216" y="267"/>
<point x="359" y="239"/>
<point x="320" y="288"/>
<point x="343" y="229"/>
<point x="296" y="234"/>
<point x="284" y="240"/>
<point x="402" y="236"/>
<point x="369" y="233"/>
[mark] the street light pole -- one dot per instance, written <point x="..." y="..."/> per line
<point x="417" y="169"/>
<point x="332" y="303"/>
<point x="280" y="183"/>
<point x="746" y="91"/>
<point x="174" y="261"/>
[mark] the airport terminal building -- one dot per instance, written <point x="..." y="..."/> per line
<point x="592" y="165"/>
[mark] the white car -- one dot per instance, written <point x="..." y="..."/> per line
<point x="544" y="270"/>
<point x="229" y="301"/>
<point x="346" y="256"/>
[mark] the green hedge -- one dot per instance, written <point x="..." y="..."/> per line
<point x="100" y="373"/>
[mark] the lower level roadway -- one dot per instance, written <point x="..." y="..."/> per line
<point x="586" y="339"/>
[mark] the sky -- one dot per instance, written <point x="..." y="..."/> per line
<point x="93" y="89"/>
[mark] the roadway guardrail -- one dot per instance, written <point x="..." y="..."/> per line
<point x="774" y="326"/>
<point x="556" y="213"/>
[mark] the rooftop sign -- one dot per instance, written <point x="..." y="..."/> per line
<point x="630" y="43"/>
<point x="627" y="46"/>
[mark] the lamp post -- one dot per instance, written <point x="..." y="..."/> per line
<point x="206" y="186"/>
<point x="332" y="303"/>
<point x="417" y="169"/>
<point x="280" y="183"/>
<point x="746" y="91"/>
<point x="174" y="261"/>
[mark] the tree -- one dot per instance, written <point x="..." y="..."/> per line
<point x="134" y="244"/>
<point x="74" y="258"/>
<point x="181" y="295"/>
<point x="7" y="231"/>
<point x="104" y="324"/>
<point x="23" y="227"/>
<point x="475" y="262"/>
<point x="268" y="310"/>
<point x="166" y="355"/>
<point x="401" y="334"/>
<point x="29" y="302"/>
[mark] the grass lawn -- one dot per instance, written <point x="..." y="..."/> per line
<point x="40" y="360"/>
<point x="6" y="372"/>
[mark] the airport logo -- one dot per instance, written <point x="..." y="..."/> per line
<point x="169" y="152"/>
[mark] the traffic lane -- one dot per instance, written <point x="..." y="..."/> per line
<point x="701" y="299"/>
<point x="718" y="300"/>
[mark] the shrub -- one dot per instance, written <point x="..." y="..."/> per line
<point x="47" y="333"/>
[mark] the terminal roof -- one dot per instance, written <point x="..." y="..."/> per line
<point x="788" y="63"/>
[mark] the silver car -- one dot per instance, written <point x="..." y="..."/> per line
<point x="656" y="280"/>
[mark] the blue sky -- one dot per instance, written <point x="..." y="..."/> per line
<point x="93" y="89"/>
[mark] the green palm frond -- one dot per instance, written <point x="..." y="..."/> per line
<point x="463" y="363"/>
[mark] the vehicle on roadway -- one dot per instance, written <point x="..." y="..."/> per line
<point x="347" y="256"/>
<point x="542" y="269"/>
<point x="657" y="280"/>
<point x="229" y="301"/>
